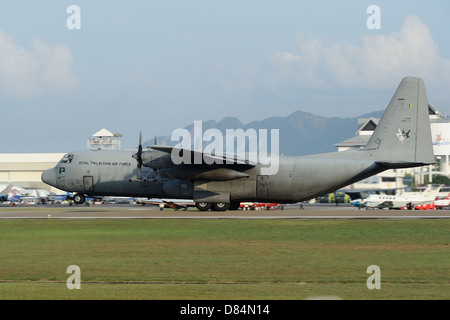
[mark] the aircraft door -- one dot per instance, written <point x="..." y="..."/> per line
<point x="262" y="187"/>
<point x="88" y="182"/>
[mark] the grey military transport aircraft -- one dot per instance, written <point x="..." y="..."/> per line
<point x="402" y="139"/>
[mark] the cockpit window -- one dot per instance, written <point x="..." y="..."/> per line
<point x="67" y="158"/>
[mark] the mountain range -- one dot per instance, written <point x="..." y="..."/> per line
<point x="300" y="133"/>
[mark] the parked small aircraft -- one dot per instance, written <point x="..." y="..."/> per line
<point x="402" y="139"/>
<point x="442" y="202"/>
<point x="359" y="196"/>
<point x="15" y="195"/>
<point x="405" y="200"/>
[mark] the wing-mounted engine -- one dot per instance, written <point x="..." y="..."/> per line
<point x="198" y="173"/>
<point x="157" y="160"/>
<point x="195" y="166"/>
<point x="151" y="159"/>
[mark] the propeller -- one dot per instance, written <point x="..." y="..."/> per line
<point x="138" y="157"/>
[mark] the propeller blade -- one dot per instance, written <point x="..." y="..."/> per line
<point x="140" y="148"/>
<point x="138" y="157"/>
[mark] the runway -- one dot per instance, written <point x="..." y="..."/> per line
<point x="149" y="212"/>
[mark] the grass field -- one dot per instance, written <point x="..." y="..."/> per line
<point x="224" y="259"/>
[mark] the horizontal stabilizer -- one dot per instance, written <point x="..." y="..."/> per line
<point x="402" y="164"/>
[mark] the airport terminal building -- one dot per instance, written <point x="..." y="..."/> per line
<point x="25" y="169"/>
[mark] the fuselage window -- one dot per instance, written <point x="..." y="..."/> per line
<point x="67" y="158"/>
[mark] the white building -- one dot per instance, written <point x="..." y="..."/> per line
<point x="25" y="169"/>
<point x="105" y="139"/>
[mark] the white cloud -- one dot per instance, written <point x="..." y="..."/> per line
<point x="375" y="61"/>
<point x="29" y="73"/>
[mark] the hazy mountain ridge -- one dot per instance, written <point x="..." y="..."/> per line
<point x="301" y="133"/>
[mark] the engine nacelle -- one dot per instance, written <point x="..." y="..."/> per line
<point x="205" y="174"/>
<point x="157" y="160"/>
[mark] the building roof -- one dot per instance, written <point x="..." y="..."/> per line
<point x="367" y="124"/>
<point x="30" y="157"/>
<point x="103" y="133"/>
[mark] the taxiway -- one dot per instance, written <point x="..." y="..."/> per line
<point x="147" y="212"/>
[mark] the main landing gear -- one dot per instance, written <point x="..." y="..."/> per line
<point x="220" y="206"/>
<point x="79" y="198"/>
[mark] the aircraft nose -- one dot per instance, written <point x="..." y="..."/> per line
<point x="49" y="177"/>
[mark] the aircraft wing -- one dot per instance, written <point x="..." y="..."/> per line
<point x="14" y="198"/>
<point x="194" y="165"/>
<point x="207" y="157"/>
<point x="379" y="205"/>
<point x="386" y="204"/>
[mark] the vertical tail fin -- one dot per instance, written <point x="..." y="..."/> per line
<point x="403" y="134"/>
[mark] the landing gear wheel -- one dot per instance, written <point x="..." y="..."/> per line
<point x="79" y="198"/>
<point x="221" y="206"/>
<point x="203" y="206"/>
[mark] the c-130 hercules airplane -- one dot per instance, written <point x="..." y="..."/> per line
<point x="402" y="139"/>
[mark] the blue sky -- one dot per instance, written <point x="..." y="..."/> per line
<point x="154" y="66"/>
